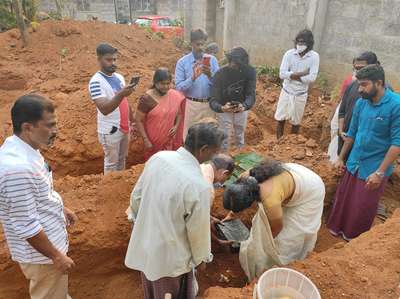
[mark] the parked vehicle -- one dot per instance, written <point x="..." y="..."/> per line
<point x="162" y="24"/>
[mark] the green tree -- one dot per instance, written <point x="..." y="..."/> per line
<point x="30" y="8"/>
<point x="7" y="16"/>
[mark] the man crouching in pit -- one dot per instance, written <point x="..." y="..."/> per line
<point x="33" y="215"/>
<point x="217" y="171"/>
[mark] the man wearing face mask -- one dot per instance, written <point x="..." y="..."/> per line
<point x="298" y="70"/>
<point x="193" y="75"/>
<point x="233" y="94"/>
<point x="373" y="141"/>
<point x="108" y="91"/>
<point x="33" y="215"/>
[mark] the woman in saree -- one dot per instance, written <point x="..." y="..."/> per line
<point x="159" y="115"/>
<point x="290" y="201"/>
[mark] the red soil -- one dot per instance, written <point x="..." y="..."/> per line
<point x="367" y="267"/>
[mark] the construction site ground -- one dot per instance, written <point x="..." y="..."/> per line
<point x="59" y="62"/>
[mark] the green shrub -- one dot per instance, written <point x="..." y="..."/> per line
<point x="180" y="43"/>
<point x="270" y="72"/>
<point x="323" y="83"/>
<point x="30" y="8"/>
<point x="55" y="15"/>
<point x="159" y="35"/>
<point x="7" y="17"/>
<point x="177" y="22"/>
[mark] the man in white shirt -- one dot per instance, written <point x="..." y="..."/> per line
<point x="170" y="206"/>
<point x="33" y="216"/>
<point x="298" y="70"/>
<point x="109" y="92"/>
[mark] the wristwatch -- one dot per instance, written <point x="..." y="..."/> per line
<point x="380" y="174"/>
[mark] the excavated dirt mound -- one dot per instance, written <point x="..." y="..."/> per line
<point x="59" y="62"/>
<point x="367" y="267"/>
<point x="98" y="244"/>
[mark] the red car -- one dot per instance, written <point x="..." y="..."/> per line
<point x="160" y="24"/>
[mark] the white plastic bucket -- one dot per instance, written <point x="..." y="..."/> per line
<point x="279" y="283"/>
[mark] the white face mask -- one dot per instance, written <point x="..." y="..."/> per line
<point x="301" y="48"/>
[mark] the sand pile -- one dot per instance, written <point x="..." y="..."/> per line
<point x="59" y="63"/>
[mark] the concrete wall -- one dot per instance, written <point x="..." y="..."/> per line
<point x="219" y="25"/>
<point x="102" y="9"/>
<point x="105" y="9"/>
<point x="267" y="28"/>
<point x="172" y="8"/>
<point x="342" y="29"/>
<point x="194" y="15"/>
<point x="364" y="25"/>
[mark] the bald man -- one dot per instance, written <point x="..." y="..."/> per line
<point x="218" y="170"/>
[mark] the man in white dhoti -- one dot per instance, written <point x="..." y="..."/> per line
<point x="170" y="207"/>
<point x="298" y="70"/>
<point x="290" y="199"/>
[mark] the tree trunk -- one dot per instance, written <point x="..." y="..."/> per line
<point x="20" y="22"/>
<point x="59" y="7"/>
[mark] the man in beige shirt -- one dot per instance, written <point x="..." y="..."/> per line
<point x="170" y="207"/>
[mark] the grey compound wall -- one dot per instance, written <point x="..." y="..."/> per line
<point x="358" y="25"/>
<point x="106" y="10"/>
<point x="342" y="29"/>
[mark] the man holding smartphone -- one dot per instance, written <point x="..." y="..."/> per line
<point x="233" y="94"/>
<point x="193" y="75"/>
<point x="108" y="91"/>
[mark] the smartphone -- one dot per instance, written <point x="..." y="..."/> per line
<point x="135" y="80"/>
<point x="206" y="61"/>
<point x="235" y="103"/>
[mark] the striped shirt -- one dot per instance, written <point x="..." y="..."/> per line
<point x="103" y="86"/>
<point x="28" y="203"/>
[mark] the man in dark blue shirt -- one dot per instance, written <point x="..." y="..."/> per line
<point x="373" y="141"/>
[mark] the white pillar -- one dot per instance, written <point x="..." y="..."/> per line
<point x="316" y="19"/>
<point x="229" y="21"/>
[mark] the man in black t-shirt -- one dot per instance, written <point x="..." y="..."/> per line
<point x="233" y="94"/>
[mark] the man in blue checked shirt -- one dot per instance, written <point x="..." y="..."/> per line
<point x="373" y="141"/>
<point x="193" y="75"/>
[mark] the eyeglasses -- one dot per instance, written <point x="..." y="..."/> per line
<point x="48" y="167"/>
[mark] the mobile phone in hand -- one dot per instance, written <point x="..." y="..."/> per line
<point x="206" y="61"/>
<point x="235" y="104"/>
<point x="135" y="80"/>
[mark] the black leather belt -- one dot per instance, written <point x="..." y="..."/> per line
<point x="199" y="100"/>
